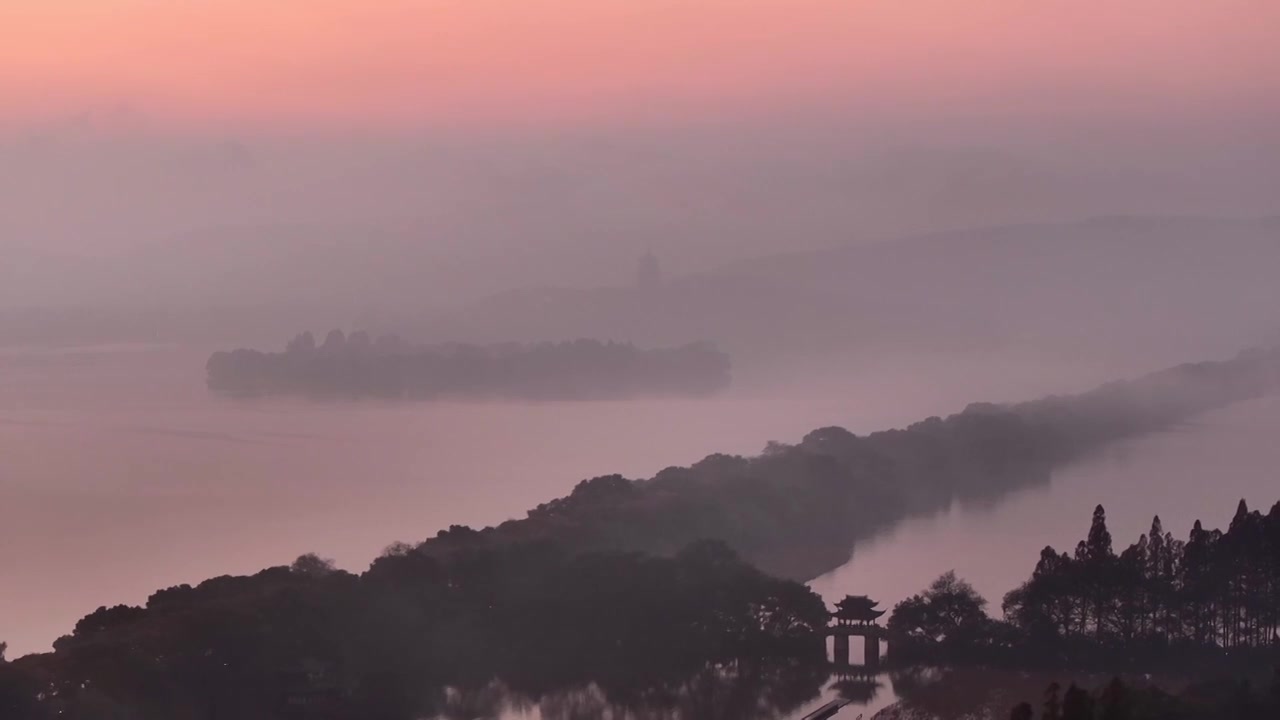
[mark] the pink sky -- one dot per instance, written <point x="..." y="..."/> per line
<point x="315" y="63"/>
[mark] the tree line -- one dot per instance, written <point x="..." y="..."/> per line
<point x="390" y="643"/>
<point x="1206" y="606"/>
<point x="796" y="510"/>
<point x="1215" y="589"/>
<point x="1161" y="600"/>
<point x="356" y="366"/>
<point x="618" y="581"/>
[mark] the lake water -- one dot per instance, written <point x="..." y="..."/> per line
<point x="1198" y="471"/>
<point x="960" y="693"/>
<point x="121" y="474"/>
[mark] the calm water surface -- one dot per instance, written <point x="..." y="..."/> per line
<point x="120" y="474"/>
<point x="1198" y="471"/>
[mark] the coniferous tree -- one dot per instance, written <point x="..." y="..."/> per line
<point x="1214" y="590"/>
<point x="1097" y="567"/>
<point x="1159" y="588"/>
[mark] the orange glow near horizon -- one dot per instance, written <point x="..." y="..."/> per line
<point x="380" y="62"/>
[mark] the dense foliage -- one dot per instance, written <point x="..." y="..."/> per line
<point x="615" y="587"/>
<point x="1161" y="601"/>
<point x="796" y="510"/>
<point x="388" y="643"/>
<point x="1205" y="608"/>
<point x="355" y="366"/>
<point x="1216" y="589"/>
<point x="949" y="613"/>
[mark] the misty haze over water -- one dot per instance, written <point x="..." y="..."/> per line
<point x="171" y="484"/>
<point x="530" y="330"/>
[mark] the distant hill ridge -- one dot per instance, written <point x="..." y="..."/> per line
<point x="1200" y="284"/>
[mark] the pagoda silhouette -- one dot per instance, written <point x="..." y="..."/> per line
<point x="856" y="615"/>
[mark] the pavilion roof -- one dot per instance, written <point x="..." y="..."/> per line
<point x="857" y="602"/>
<point x="858" y="613"/>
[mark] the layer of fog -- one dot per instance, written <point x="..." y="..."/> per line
<point x="168" y="484"/>
<point x="130" y="233"/>
<point x="129" y="214"/>
<point x="1198" y="471"/>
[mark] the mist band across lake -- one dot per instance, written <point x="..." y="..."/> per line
<point x="795" y="511"/>
<point x="877" y="236"/>
<point x="162" y="459"/>
<point x="78" y="369"/>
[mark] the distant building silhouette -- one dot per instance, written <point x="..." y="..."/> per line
<point x="648" y="273"/>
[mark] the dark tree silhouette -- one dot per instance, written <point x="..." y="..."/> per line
<point x="1160" y="602"/>
<point x="795" y="510"/>
<point x="312" y="565"/>
<point x="617" y="583"/>
<point x="1216" y="590"/>
<point x="950" y="611"/>
<point x="386" y="643"/>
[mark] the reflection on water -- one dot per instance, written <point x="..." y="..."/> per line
<point x="732" y="693"/>
<point x="120" y="474"/>
<point x="1194" y="472"/>
<point x="916" y="693"/>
